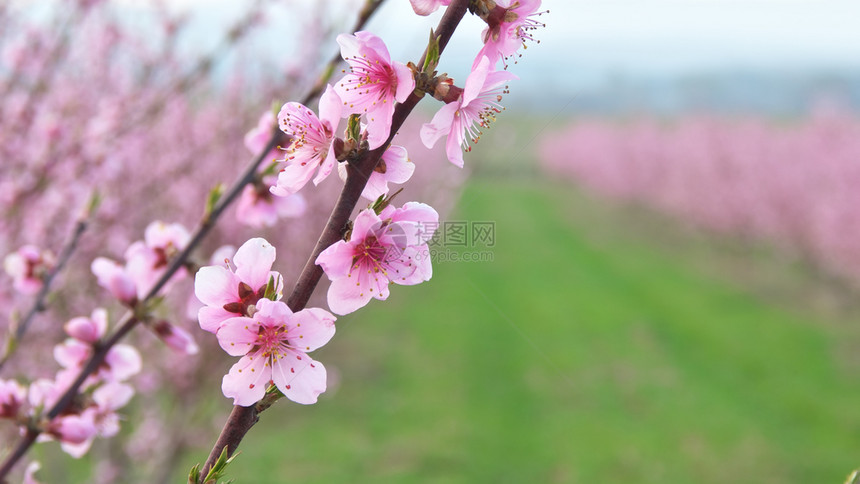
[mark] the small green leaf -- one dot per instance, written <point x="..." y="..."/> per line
<point x="353" y="128"/>
<point x="93" y="203"/>
<point x="272" y="288"/>
<point x="432" y="59"/>
<point x="212" y="200"/>
<point x="194" y="475"/>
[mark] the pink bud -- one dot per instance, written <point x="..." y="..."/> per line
<point x="176" y="337"/>
<point x="115" y="279"/>
<point x="88" y="330"/>
<point x="12" y="396"/>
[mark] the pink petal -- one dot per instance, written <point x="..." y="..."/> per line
<point x="310" y="328"/>
<point x="254" y="261"/>
<point x="113" y="396"/>
<point x="379" y="124"/>
<point x="272" y="312"/>
<point x="73" y="429"/>
<point x="345" y="296"/>
<point x="293" y="177"/>
<point x="453" y="147"/>
<point x="326" y="166"/>
<point x="419" y="266"/>
<point x="211" y="317"/>
<point x="124" y="362"/>
<point x="299" y="377"/>
<point x="331" y="107"/>
<point x="373" y="46"/>
<point x="247" y="380"/>
<point x="336" y="259"/>
<point x="216" y="286"/>
<point x="475" y="81"/>
<point x="365" y="222"/>
<point x="77" y="450"/>
<point x="440" y="125"/>
<point x="398" y="168"/>
<point x="377" y="185"/>
<point x="405" y="82"/>
<point x="71" y="353"/>
<point x="112" y="276"/>
<point x="349" y="45"/>
<point x="425" y="7"/>
<point x="237" y="335"/>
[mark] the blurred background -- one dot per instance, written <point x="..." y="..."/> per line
<point x="667" y="292"/>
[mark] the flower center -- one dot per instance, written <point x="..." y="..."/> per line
<point x="247" y="298"/>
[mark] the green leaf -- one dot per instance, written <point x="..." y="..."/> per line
<point x="194" y="475"/>
<point x="432" y="59"/>
<point x="212" y="200"/>
<point x="353" y="128"/>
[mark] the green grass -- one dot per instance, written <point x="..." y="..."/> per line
<point x="570" y="357"/>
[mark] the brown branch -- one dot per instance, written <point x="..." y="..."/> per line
<point x="241" y="419"/>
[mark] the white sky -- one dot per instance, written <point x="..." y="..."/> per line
<point x="587" y="40"/>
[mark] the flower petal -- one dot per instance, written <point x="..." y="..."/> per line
<point x="253" y="262"/>
<point x="247" y="380"/>
<point x="216" y="286"/>
<point x="237" y="335"/>
<point x="336" y="259"/>
<point x="299" y="377"/>
<point x="440" y="125"/>
<point x="405" y="82"/>
<point x="310" y="328"/>
<point x="345" y="295"/>
<point x="211" y="317"/>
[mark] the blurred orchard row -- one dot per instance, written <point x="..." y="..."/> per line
<point x="792" y="183"/>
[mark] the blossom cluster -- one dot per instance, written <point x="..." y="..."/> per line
<point x="241" y="294"/>
<point x="385" y="244"/>
<point x="91" y="415"/>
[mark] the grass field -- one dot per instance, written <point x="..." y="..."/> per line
<point x="569" y="358"/>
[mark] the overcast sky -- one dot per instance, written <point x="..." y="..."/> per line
<point x="654" y="36"/>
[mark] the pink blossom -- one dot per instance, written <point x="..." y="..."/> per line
<point x="311" y="144"/>
<point x="258" y="207"/>
<point x="71" y="428"/>
<point x="113" y="277"/>
<point x="394" y="167"/>
<point x="508" y="27"/>
<point x="373" y="84"/>
<point x="27" y="267"/>
<point x="176" y="337"/>
<point x="121" y="362"/>
<point x="12" y="396"/>
<point x="385" y="248"/>
<point x="227" y="293"/>
<point x="107" y="399"/>
<point x="147" y="260"/>
<point x="257" y="139"/>
<point x="464" y="118"/>
<point x="274" y="345"/>
<point x="74" y="432"/>
<point x="426" y="7"/>
<point x="88" y="330"/>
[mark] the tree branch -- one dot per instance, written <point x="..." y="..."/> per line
<point x="241" y="419"/>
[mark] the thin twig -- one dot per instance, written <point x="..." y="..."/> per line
<point x="14" y="339"/>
